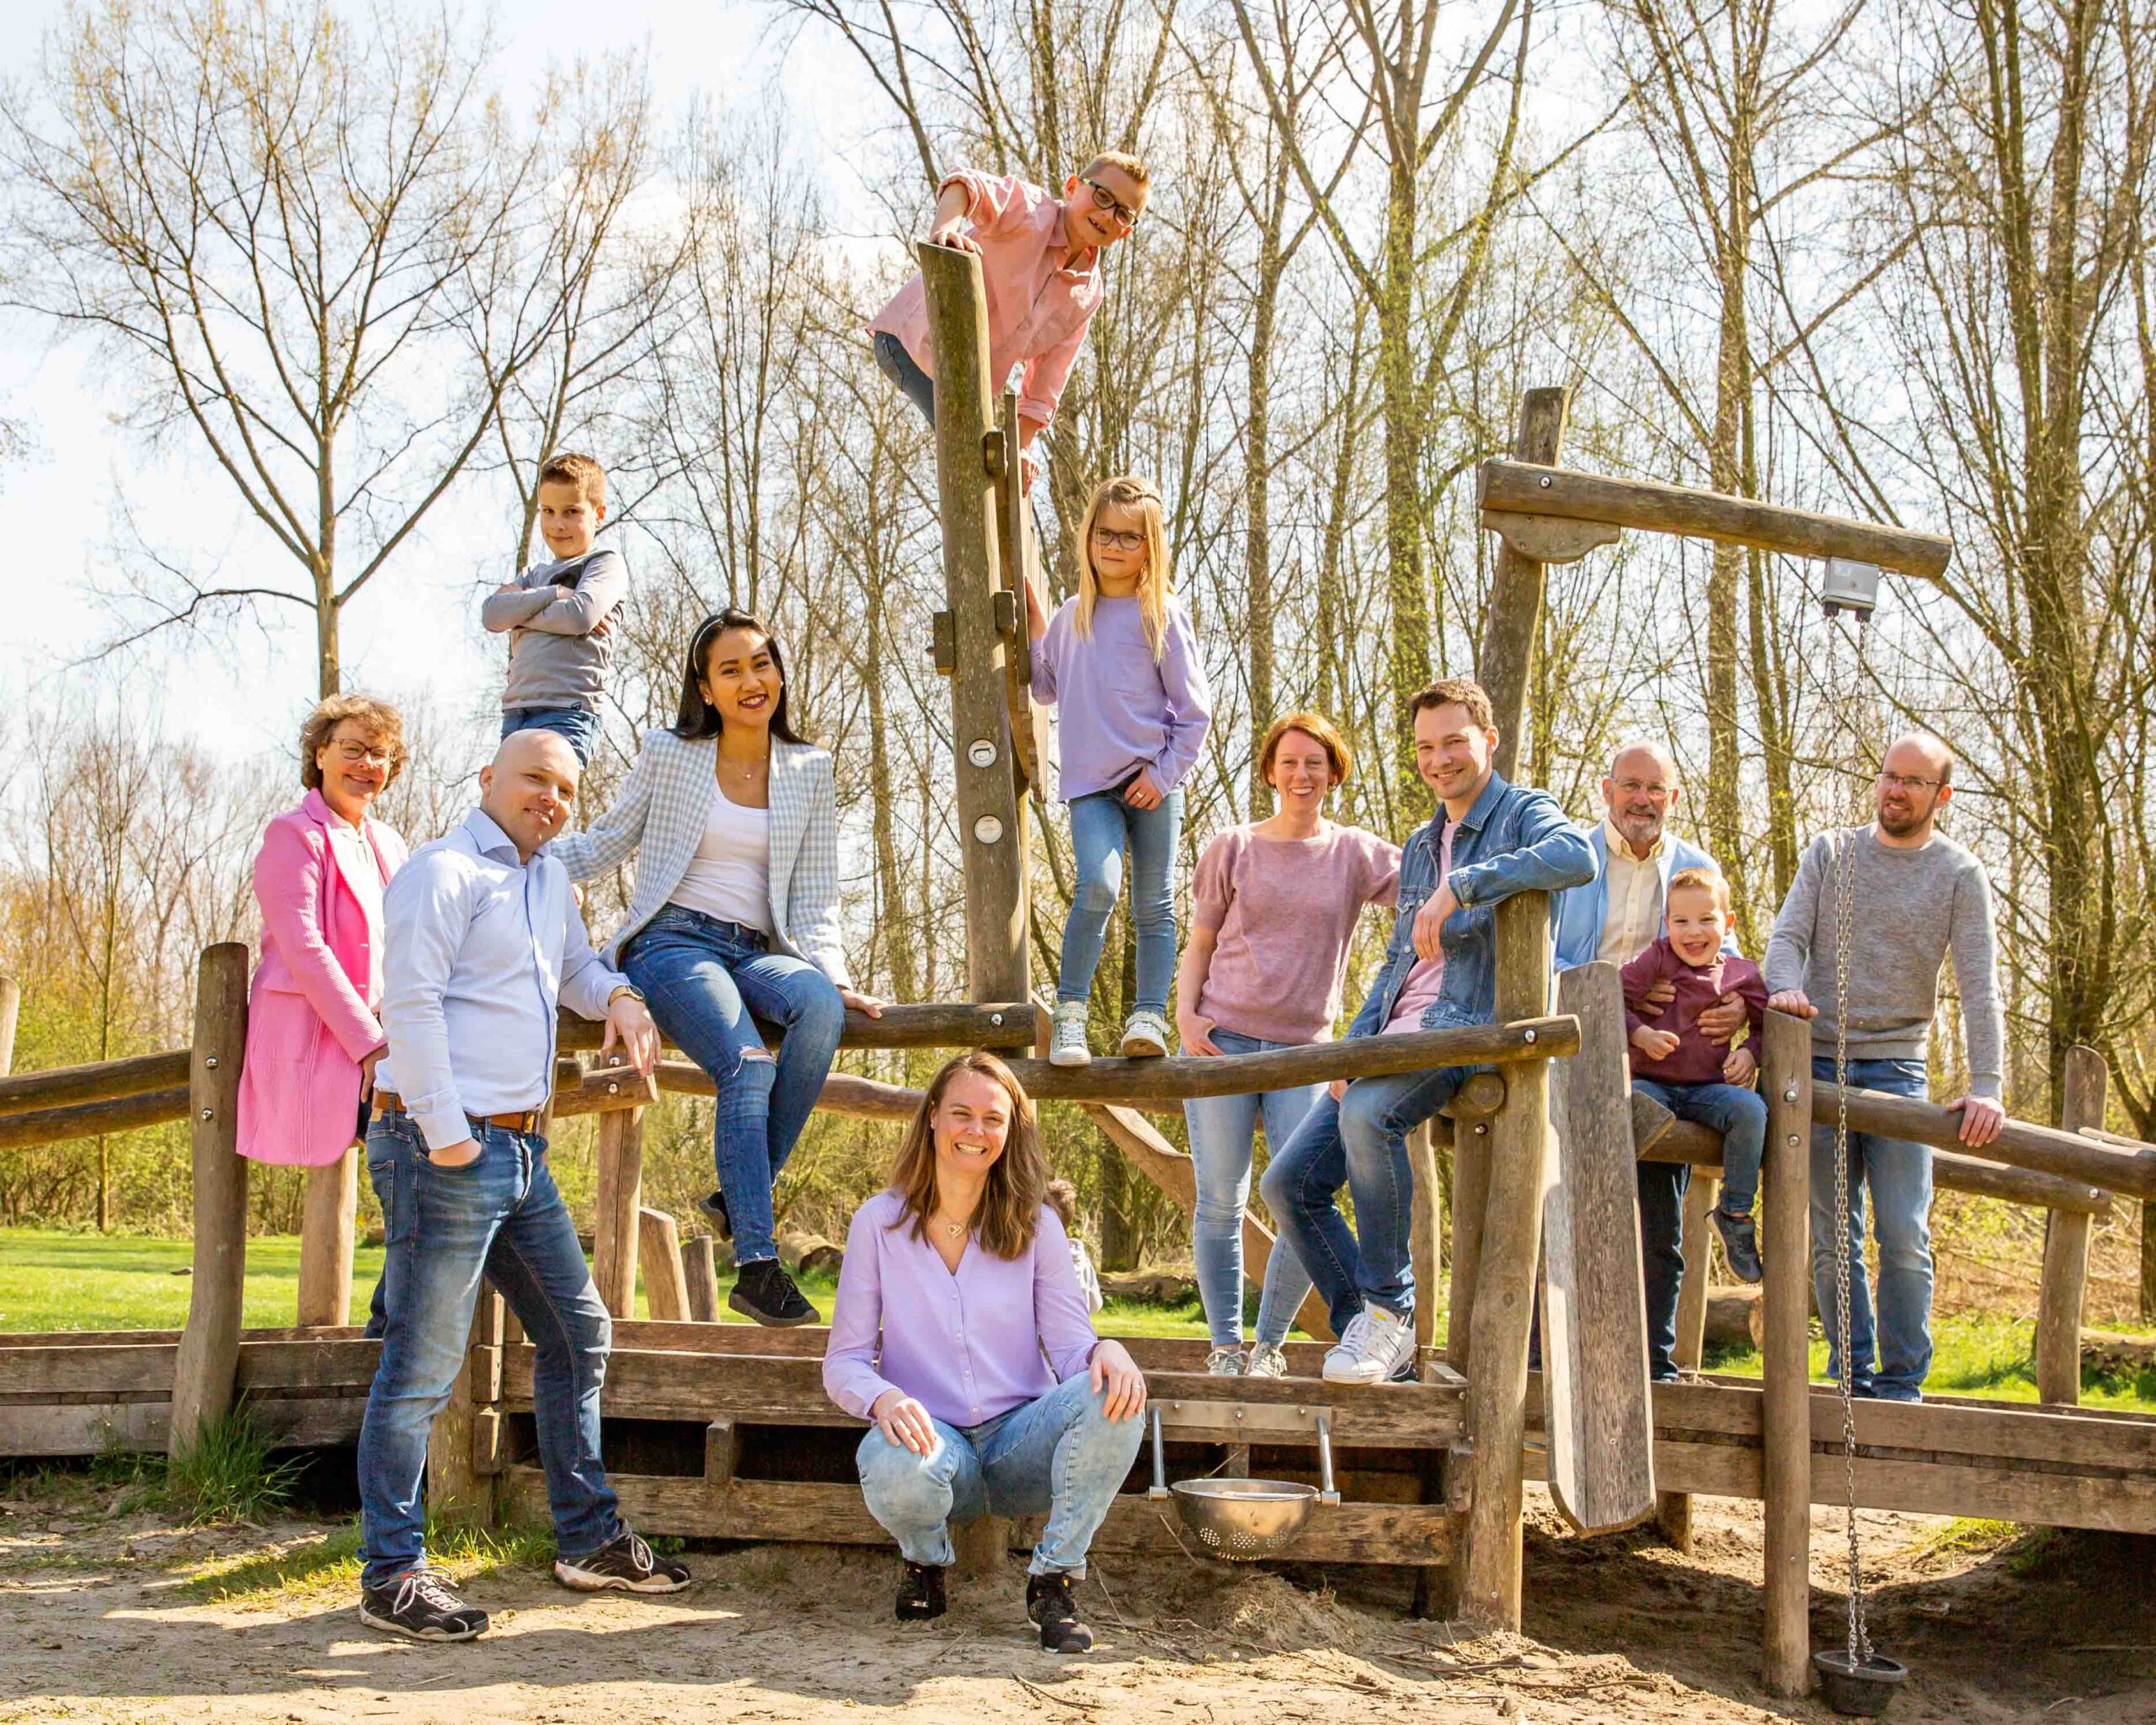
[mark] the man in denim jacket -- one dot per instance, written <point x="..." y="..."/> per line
<point x="1489" y="839"/>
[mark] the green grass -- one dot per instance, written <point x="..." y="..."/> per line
<point x="1981" y="1355"/>
<point x="330" y="1564"/>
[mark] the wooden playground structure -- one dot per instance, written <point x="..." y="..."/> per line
<point x="723" y="1431"/>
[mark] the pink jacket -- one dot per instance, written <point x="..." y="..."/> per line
<point x="1038" y="308"/>
<point x="308" y="1020"/>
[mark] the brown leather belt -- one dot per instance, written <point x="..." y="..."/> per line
<point x="527" y="1121"/>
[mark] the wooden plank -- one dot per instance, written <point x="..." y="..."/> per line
<point x="1785" y="1182"/>
<point x="91" y="1120"/>
<point x="328" y="1223"/>
<point x="1533" y="1039"/>
<point x="1425" y="1229"/>
<point x="107" y="1368"/>
<point x="843" y="1092"/>
<point x="1154" y="1354"/>
<point x="1511" y="621"/>
<point x="83" y="1428"/>
<point x="330" y="1364"/>
<point x="1005" y="1023"/>
<point x="2063" y="1286"/>
<point x="665" y="1292"/>
<point x="1521" y="488"/>
<point x="99" y="1080"/>
<point x="722" y="1454"/>
<point x="619" y="1197"/>
<point x="700" y="1273"/>
<point x="209" y="1345"/>
<point x="833" y="1515"/>
<point x="1594" y="1332"/>
<point x="1673" y="1510"/>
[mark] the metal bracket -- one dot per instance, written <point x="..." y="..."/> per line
<point x="943" y="641"/>
<point x="992" y="456"/>
<point x="1005" y="604"/>
<point x="1549" y="538"/>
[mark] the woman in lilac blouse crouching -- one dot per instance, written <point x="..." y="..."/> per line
<point x="959" y="1330"/>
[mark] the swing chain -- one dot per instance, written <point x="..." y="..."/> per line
<point x="1860" y="1641"/>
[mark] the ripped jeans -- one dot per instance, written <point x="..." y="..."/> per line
<point x="703" y="980"/>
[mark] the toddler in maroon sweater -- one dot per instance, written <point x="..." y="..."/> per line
<point x="1694" y="1077"/>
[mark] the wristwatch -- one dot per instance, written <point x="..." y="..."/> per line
<point x="631" y="989"/>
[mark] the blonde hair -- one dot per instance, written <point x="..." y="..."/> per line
<point x="381" y="722"/>
<point x="1319" y="730"/>
<point x="1708" y="881"/>
<point x="581" y="471"/>
<point x="1010" y="1213"/>
<point x="1133" y="168"/>
<point x="1142" y="497"/>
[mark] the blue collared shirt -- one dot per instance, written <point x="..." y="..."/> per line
<point x="479" y="947"/>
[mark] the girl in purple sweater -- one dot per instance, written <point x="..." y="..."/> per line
<point x="1120" y="662"/>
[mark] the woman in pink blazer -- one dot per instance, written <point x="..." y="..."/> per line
<point x="313" y="1035"/>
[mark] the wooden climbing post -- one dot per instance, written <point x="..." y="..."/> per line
<point x="621" y="1196"/>
<point x="1785" y="1355"/>
<point x="972" y="452"/>
<point x="328" y="1225"/>
<point x="1520" y="1142"/>
<point x="2065" y="1282"/>
<point x="1673" y="1510"/>
<point x="209" y="1346"/>
<point x="1514" y="616"/>
<point x="700" y="1274"/>
<point x="665" y="1287"/>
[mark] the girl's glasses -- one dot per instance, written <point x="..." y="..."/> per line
<point x="1120" y="542"/>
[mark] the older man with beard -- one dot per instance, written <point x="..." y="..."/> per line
<point x="1917" y="896"/>
<point x="1616" y="917"/>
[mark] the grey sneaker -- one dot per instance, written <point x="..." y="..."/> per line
<point x="1265" y="1361"/>
<point x="418" y="1604"/>
<point x="1144" y="1036"/>
<point x="1066" y="1041"/>
<point x="1224" y="1363"/>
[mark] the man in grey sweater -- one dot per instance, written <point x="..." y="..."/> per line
<point x="1917" y="896"/>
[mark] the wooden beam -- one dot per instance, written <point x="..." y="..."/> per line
<point x="619" y="1198"/>
<point x="604" y="1089"/>
<point x="100" y="1081"/>
<point x="1673" y="1510"/>
<point x="92" y="1119"/>
<point x="843" y="1092"/>
<point x="1786" y="1080"/>
<point x="2064" y="1287"/>
<point x="1001" y="1023"/>
<point x="2020" y="1144"/>
<point x="658" y="1250"/>
<point x="1015" y="561"/>
<point x="700" y="1275"/>
<point x="209" y="1346"/>
<point x="328" y="1220"/>
<point x="1512" y="618"/>
<point x="1523" y="488"/>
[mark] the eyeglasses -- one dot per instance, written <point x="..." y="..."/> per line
<point x="372" y="754"/>
<point x="1902" y="781"/>
<point x="1103" y="199"/>
<point x="1121" y="541"/>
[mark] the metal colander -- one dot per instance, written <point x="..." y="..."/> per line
<point x="1244" y="1518"/>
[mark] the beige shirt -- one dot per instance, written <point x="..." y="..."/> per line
<point x="1632" y="918"/>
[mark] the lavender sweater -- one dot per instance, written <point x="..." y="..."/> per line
<point x="1118" y="711"/>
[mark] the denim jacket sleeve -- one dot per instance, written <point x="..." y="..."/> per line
<point x="1550" y="855"/>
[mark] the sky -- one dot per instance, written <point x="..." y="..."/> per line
<point x="244" y="692"/>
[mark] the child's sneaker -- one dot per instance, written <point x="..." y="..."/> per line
<point x="1144" y="1036"/>
<point x="921" y="1592"/>
<point x="1066" y="1037"/>
<point x="1265" y="1361"/>
<point x="1740" y="1242"/>
<point x="1049" y="1604"/>
<point x="1224" y="1363"/>
<point x="1376" y="1349"/>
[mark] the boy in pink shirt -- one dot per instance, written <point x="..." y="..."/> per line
<point x="1693" y="1076"/>
<point x="1040" y="263"/>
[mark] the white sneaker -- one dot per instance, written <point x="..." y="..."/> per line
<point x="1144" y="1036"/>
<point x="1066" y="1038"/>
<point x="1265" y="1361"/>
<point x="1224" y="1363"/>
<point x="1377" y="1346"/>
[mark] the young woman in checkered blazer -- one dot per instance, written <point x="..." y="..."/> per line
<point x="733" y="819"/>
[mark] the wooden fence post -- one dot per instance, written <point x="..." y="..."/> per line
<point x="621" y="1194"/>
<point x="2065" y="1283"/>
<point x="328" y="1225"/>
<point x="1513" y="620"/>
<point x="1673" y="1510"/>
<point x="209" y="1346"/>
<point x="461" y="1462"/>
<point x="1785" y="1404"/>
<point x="1504" y="1285"/>
<point x="665" y="1290"/>
<point x="700" y="1273"/>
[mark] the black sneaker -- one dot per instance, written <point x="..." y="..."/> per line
<point x="628" y="1563"/>
<point x="764" y="1292"/>
<point x="921" y="1592"/>
<point x="1740" y="1244"/>
<point x="713" y="1205"/>
<point x="1049" y="1604"/>
<point x="418" y="1604"/>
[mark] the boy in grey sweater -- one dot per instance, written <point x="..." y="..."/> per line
<point x="1917" y="896"/>
<point x="559" y="614"/>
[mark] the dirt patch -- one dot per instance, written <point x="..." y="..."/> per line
<point x="99" y="1622"/>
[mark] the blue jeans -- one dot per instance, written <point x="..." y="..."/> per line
<point x="501" y="1216"/>
<point x="1360" y="1142"/>
<point x="1102" y="827"/>
<point x="1899" y="1176"/>
<point x="703" y="980"/>
<point x="579" y="725"/>
<point x="895" y="363"/>
<point x="1060" y="1455"/>
<point x="1222" y="1132"/>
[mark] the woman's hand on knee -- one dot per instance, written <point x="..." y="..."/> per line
<point x="903" y="1422"/>
<point x="1117" y="1378"/>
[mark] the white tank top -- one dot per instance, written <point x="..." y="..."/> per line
<point x="730" y="875"/>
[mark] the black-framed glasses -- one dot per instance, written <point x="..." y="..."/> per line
<point x="1902" y="781"/>
<point x="1121" y="541"/>
<point x="1103" y="199"/>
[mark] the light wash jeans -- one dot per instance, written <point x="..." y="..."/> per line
<point x="1740" y="1115"/>
<point x="1360" y="1142"/>
<point x="1060" y="1455"/>
<point x="702" y="979"/>
<point x="579" y="726"/>
<point x="1223" y="1131"/>
<point x="895" y="363"/>
<point x="1102" y="827"/>
<point x="1899" y="1176"/>
<point x="501" y="1214"/>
